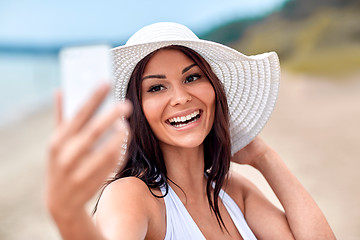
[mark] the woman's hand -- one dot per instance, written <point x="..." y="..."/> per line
<point x="78" y="164"/>
<point x="253" y="153"/>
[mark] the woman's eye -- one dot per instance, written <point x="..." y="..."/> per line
<point x="156" y="88"/>
<point x="193" y="77"/>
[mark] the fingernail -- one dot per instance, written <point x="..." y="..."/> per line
<point x="126" y="106"/>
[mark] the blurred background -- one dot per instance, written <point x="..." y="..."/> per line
<point x="315" y="125"/>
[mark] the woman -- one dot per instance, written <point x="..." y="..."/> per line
<point x="197" y="105"/>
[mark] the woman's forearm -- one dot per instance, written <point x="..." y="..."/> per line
<point x="305" y="218"/>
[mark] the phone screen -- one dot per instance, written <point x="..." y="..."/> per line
<point x="83" y="69"/>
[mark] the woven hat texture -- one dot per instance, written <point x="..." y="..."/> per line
<point x="251" y="83"/>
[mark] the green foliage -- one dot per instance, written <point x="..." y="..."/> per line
<point x="321" y="39"/>
<point x="229" y="32"/>
<point x="330" y="62"/>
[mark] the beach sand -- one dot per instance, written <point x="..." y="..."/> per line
<point x="315" y="128"/>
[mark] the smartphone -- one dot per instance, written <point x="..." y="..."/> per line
<point x="83" y="69"/>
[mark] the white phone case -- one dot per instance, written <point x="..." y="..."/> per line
<point x="83" y="69"/>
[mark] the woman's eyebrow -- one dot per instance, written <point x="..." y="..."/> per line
<point x="188" y="68"/>
<point x="154" y="76"/>
<point x="163" y="76"/>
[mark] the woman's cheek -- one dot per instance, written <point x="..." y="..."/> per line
<point x="152" y="109"/>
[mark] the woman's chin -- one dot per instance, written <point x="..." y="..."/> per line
<point x="190" y="143"/>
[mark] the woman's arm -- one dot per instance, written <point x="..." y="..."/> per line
<point x="78" y="165"/>
<point x="304" y="218"/>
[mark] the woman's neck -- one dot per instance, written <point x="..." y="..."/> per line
<point x="185" y="167"/>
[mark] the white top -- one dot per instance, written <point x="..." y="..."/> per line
<point x="180" y="225"/>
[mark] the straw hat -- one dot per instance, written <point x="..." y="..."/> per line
<point x="251" y="83"/>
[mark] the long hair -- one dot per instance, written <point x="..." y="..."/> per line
<point x="145" y="157"/>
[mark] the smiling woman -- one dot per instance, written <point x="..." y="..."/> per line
<point x="197" y="105"/>
<point x="176" y="84"/>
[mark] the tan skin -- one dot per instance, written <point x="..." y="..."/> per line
<point x="76" y="170"/>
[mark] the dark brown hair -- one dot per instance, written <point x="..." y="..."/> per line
<point x="145" y="157"/>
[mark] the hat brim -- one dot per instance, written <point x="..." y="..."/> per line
<point x="251" y="83"/>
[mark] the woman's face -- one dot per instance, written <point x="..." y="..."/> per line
<point x="178" y="100"/>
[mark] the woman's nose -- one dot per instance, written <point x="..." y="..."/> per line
<point x="180" y="96"/>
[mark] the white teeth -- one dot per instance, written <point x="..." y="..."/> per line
<point x="183" y="118"/>
<point x="183" y="124"/>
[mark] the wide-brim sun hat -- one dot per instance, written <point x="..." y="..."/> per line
<point x="251" y="83"/>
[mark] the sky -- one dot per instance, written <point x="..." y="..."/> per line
<point x="50" y="22"/>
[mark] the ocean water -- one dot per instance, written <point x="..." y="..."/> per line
<point x="27" y="84"/>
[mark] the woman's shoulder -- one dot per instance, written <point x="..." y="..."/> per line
<point x="130" y="191"/>
<point x="127" y="200"/>
<point x="129" y="185"/>
<point x="126" y="189"/>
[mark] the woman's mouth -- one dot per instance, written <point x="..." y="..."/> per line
<point x="185" y="120"/>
